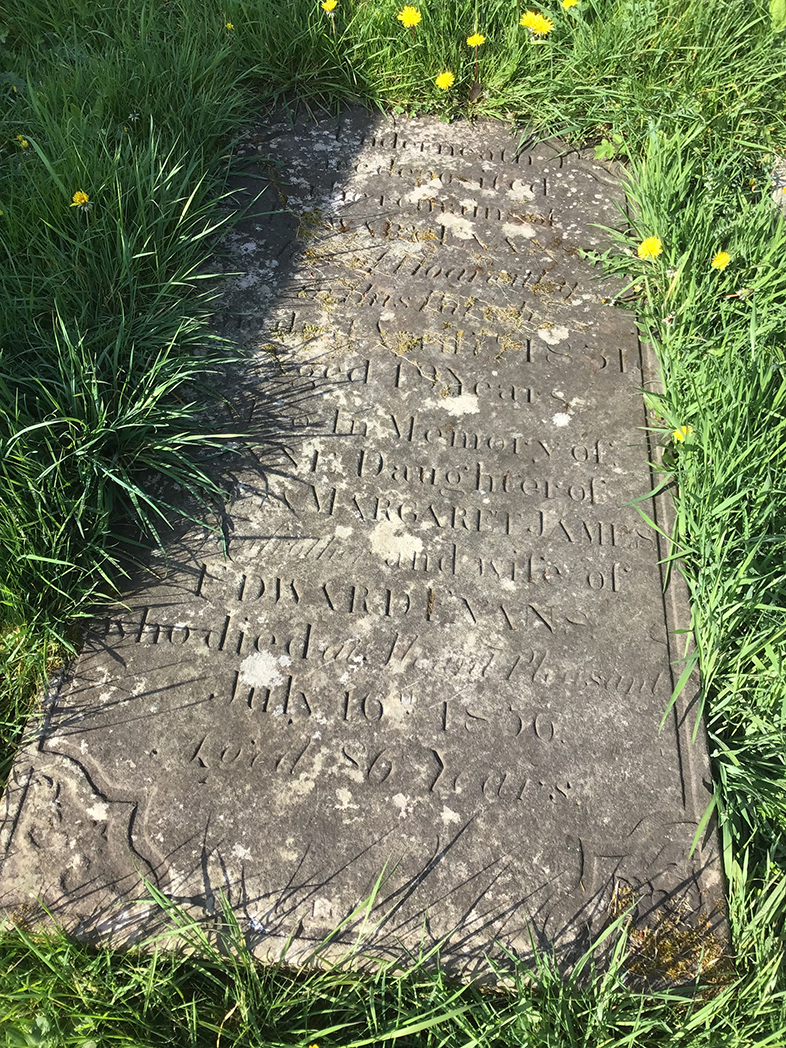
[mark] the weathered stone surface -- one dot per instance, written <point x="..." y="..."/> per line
<point x="439" y="647"/>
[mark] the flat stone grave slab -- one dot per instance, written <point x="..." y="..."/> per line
<point x="432" y="670"/>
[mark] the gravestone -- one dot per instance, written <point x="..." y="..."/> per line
<point x="431" y="672"/>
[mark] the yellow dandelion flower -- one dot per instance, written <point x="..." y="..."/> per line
<point x="229" y="26"/>
<point x="569" y="3"/>
<point x="720" y="260"/>
<point x="537" y="24"/>
<point x="329" y="6"/>
<point x="682" y="433"/>
<point x="445" y="80"/>
<point x="79" y="199"/>
<point x="22" y="141"/>
<point x="409" y="16"/>
<point x="476" y="40"/>
<point x="650" y="248"/>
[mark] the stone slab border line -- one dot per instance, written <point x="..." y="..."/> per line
<point x="432" y="670"/>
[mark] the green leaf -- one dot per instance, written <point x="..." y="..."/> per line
<point x="703" y="823"/>
<point x="778" y="15"/>
<point x="605" y="151"/>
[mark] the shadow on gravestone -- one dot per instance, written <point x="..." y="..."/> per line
<point x="438" y="651"/>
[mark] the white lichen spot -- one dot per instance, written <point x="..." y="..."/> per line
<point x="428" y="191"/>
<point x="403" y="803"/>
<point x="344" y="798"/>
<point x="520" y="191"/>
<point x="343" y="531"/>
<point x="464" y="404"/>
<point x="322" y="909"/>
<point x="520" y="229"/>
<point x="303" y="785"/>
<point x="458" y="226"/>
<point x="561" y="418"/>
<point x="98" y="812"/>
<point x="553" y="335"/>
<point x="389" y="540"/>
<point x="449" y="816"/>
<point x="260" y="670"/>
<point x="240" y="852"/>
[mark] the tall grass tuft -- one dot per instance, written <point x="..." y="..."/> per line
<point x="111" y="187"/>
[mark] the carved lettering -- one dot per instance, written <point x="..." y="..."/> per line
<point x="365" y="764"/>
<point x="609" y="580"/>
<point x="365" y="707"/>
<point x="543" y="727"/>
<point x="583" y="453"/>
<point x="344" y="424"/>
<point x="358" y="373"/>
<point x="401" y="648"/>
<point x="474" y="477"/>
<point x="413" y="431"/>
<point x="305" y="498"/>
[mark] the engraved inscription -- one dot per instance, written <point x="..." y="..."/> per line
<point x="429" y="655"/>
